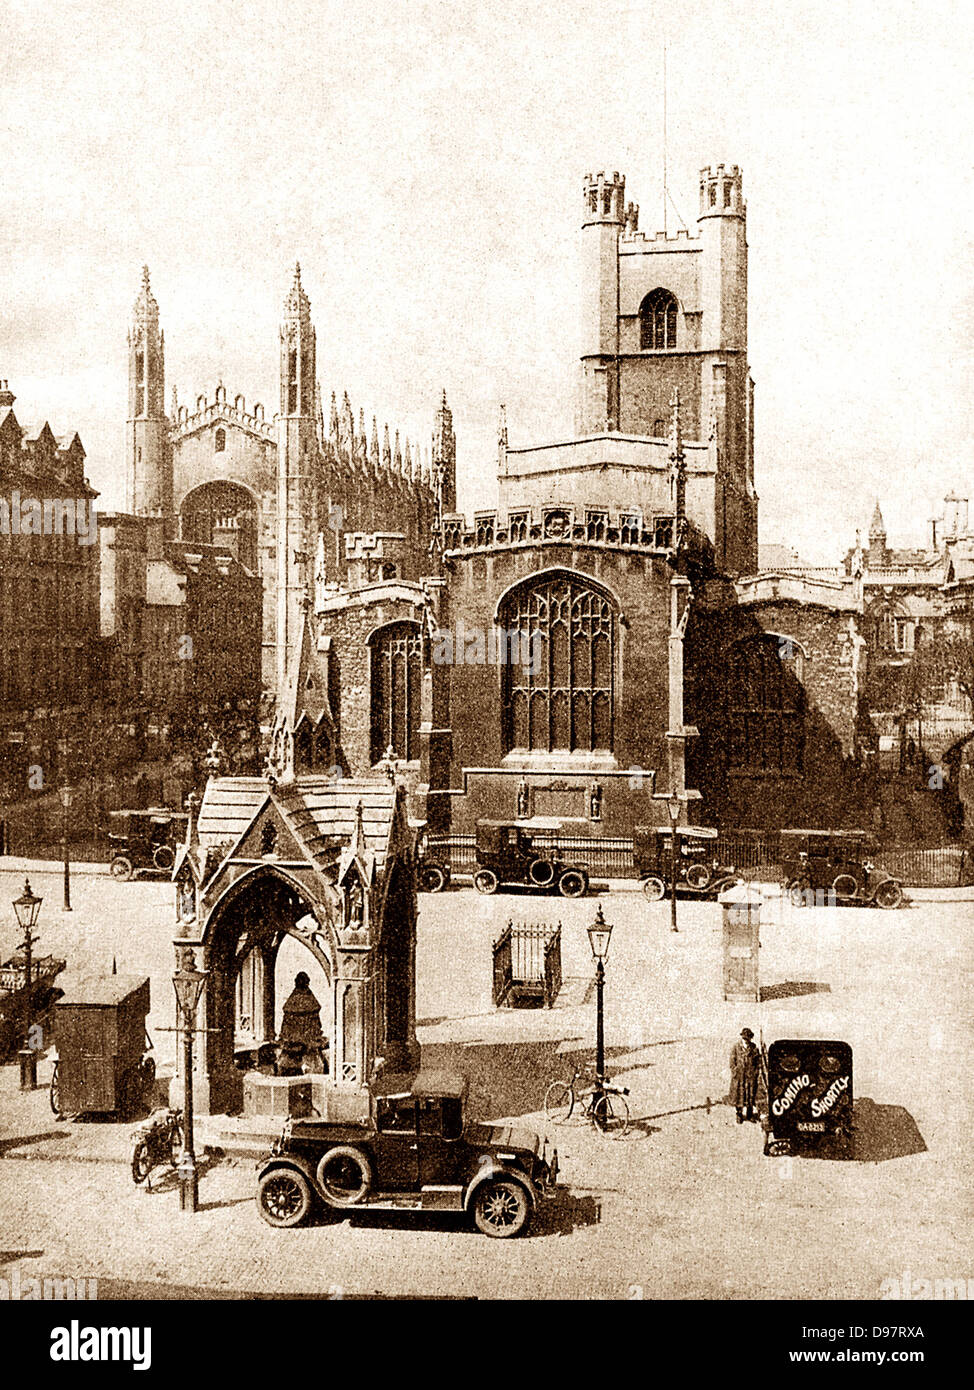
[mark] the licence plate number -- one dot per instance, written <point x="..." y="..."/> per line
<point x="811" y="1126"/>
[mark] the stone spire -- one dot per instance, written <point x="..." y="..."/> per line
<point x="297" y="305"/>
<point x="333" y="419"/>
<point x="146" y="310"/>
<point x="397" y="456"/>
<point x="386" y="450"/>
<point x="877" y="527"/>
<point x="375" y="459"/>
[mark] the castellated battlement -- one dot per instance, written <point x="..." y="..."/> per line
<point x="722" y="191"/>
<point x="587" y="526"/>
<point x="604" y="198"/>
<point x="184" y="421"/>
<point x="680" y="240"/>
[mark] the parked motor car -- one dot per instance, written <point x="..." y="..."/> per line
<point x="810" y="1100"/>
<point x="144" y="841"/>
<point x="698" y="868"/>
<point x="432" y="866"/>
<point x="839" y="864"/>
<point x="413" y="1149"/>
<point x="508" y="853"/>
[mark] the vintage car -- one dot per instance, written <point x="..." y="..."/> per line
<point x="413" y="1149"/>
<point x="698" y="868"/>
<point x="144" y="841"/>
<point x="810" y="1100"/>
<point x="836" y="865"/>
<point x="432" y="865"/>
<point x="508" y="853"/>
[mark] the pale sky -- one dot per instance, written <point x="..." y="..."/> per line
<point x="424" y="162"/>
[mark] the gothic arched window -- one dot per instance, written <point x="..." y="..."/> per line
<point x="397" y="679"/>
<point x="559" y="681"/>
<point x="766" y="706"/>
<point x="657" y="320"/>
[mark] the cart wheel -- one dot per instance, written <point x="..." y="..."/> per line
<point x="654" y="889"/>
<point x="611" y="1115"/>
<point x="147" y="1082"/>
<point x="163" y="856"/>
<point x="141" y="1162"/>
<point x="55" y="1091"/>
<point x="572" y="884"/>
<point x="845" y="886"/>
<point x="432" y="879"/>
<point x="889" y="894"/>
<point x="122" y="869"/>
<point x="501" y="1208"/>
<point x="559" y="1102"/>
<point x="698" y="877"/>
<point x="485" y="881"/>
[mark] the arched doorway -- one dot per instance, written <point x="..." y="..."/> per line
<point x="245" y="934"/>
<point x="222" y="513"/>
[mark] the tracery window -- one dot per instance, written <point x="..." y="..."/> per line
<point x="559" y="694"/>
<point x="397" y="678"/>
<point x="766" y="707"/>
<point x="657" y="320"/>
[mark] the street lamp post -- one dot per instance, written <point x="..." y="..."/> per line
<point x="673" y="806"/>
<point x="188" y="983"/>
<point x="27" y="907"/>
<point x="67" y="796"/>
<point x="598" y="934"/>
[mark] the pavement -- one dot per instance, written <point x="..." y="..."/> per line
<point x="685" y="1206"/>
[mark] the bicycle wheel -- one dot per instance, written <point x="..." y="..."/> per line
<point x="559" y="1102"/>
<point x="610" y="1114"/>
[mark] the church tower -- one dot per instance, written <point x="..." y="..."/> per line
<point x="149" y="481"/>
<point x="444" y="459"/>
<point x="297" y="522"/>
<point x="603" y="216"/>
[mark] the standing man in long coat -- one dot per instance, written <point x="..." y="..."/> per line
<point x="745" y="1061"/>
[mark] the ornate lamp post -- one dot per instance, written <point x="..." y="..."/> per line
<point x="598" y="934"/>
<point x="188" y="983"/>
<point x="27" y="907"/>
<point x="674" y="806"/>
<point x="67" y="796"/>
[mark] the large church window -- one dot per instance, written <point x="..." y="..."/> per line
<point x="222" y="514"/>
<point x="657" y="320"/>
<point x="397" y="679"/>
<point x="766" y="707"/>
<point x="558" y="694"/>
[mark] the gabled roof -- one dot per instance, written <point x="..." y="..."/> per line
<point x="320" y="812"/>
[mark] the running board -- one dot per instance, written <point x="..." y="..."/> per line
<point x="429" y="1199"/>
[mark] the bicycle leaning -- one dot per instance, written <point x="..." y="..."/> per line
<point x="598" y="1101"/>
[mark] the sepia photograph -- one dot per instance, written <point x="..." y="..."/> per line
<point x="487" y="668"/>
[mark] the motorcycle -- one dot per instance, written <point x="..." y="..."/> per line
<point x="156" y="1141"/>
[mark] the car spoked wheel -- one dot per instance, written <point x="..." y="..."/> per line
<point x="501" y="1208"/>
<point x="284" y="1197"/>
<point x="559" y="1102"/>
<point x="572" y="884"/>
<point x="141" y="1163"/>
<point x="889" y="894"/>
<point x="122" y="869"/>
<point x="432" y="879"/>
<point x="611" y="1116"/>
<point x="485" y="881"/>
<point x="699" y="876"/>
<point x="654" y="889"/>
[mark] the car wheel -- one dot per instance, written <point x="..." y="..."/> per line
<point x="542" y="873"/>
<point x="122" y="869"/>
<point x="889" y="894"/>
<point x="432" y="879"/>
<point x="501" y="1208"/>
<point x="344" y="1176"/>
<point x="796" y="892"/>
<point x="485" y="881"/>
<point x="654" y="889"/>
<point x="559" y="1102"/>
<point x="284" y="1197"/>
<point x="163" y="856"/>
<point x="845" y="886"/>
<point x="698" y="877"/>
<point x="55" y="1091"/>
<point x="572" y="884"/>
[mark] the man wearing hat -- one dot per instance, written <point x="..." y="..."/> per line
<point x="745" y="1060"/>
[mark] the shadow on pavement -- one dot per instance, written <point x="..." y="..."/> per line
<point x="789" y="989"/>
<point x="884" y="1132"/>
<point x="20" y="1141"/>
<point x="8" y="1256"/>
